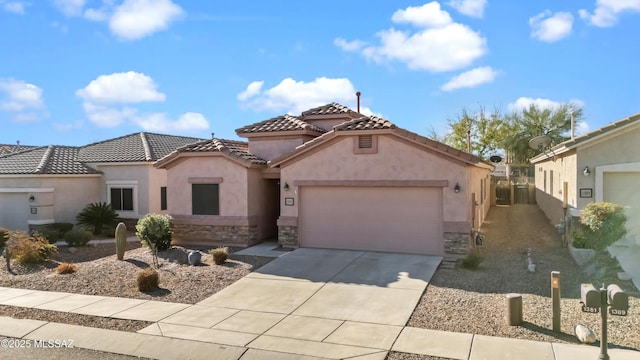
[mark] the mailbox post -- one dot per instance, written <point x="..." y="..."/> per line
<point x="594" y="301"/>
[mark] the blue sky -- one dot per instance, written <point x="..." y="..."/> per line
<point x="78" y="71"/>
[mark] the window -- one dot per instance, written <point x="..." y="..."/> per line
<point x="205" y="199"/>
<point x="163" y="198"/>
<point x="121" y="199"/>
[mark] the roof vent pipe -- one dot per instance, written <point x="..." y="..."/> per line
<point x="358" y="96"/>
<point x="573" y="126"/>
<point x="469" y="141"/>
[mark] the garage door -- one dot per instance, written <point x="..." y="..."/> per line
<point x="14" y="211"/>
<point x="393" y="219"/>
<point x="621" y="188"/>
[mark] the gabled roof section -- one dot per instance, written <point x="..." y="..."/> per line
<point x="328" y="109"/>
<point x="607" y="130"/>
<point x="236" y="150"/>
<point x="9" y="148"/>
<point x="51" y="160"/>
<point x="278" y="124"/>
<point x="138" y="147"/>
<point x="366" y="124"/>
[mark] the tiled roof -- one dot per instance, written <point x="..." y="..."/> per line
<point x="59" y="160"/>
<point x="279" y="123"/>
<point x="8" y="149"/>
<point x="365" y="123"/>
<point x="133" y="148"/>
<point x="328" y="109"/>
<point x="233" y="148"/>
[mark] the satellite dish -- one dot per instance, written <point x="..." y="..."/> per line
<point x="540" y="142"/>
<point x="495" y="158"/>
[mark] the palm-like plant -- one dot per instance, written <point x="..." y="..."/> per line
<point x="96" y="215"/>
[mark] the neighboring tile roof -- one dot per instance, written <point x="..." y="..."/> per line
<point x="58" y="160"/>
<point x="328" y="109"/>
<point x="133" y="148"/>
<point x="8" y="149"/>
<point x="279" y="123"/>
<point x="365" y="123"/>
<point x="233" y="148"/>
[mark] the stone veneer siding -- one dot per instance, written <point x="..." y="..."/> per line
<point x="216" y="234"/>
<point x="456" y="244"/>
<point x="288" y="236"/>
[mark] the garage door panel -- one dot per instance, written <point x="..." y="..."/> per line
<point x="14" y="211"/>
<point x="621" y="188"/>
<point x="372" y="218"/>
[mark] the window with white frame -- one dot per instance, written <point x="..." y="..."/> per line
<point x="122" y="195"/>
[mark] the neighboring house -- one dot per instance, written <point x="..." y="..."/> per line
<point x="602" y="165"/>
<point x="329" y="178"/>
<point x="42" y="185"/>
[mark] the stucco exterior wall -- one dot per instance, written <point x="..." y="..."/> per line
<point x="549" y="180"/>
<point x="479" y="183"/>
<point x="157" y="179"/>
<point x="394" y="160"/>
<point x="270" y="149"/>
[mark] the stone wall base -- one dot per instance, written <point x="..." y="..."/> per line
<point x="457" y="245"/>
<point x="222" y="235"/>
<point x="288" y="236"/>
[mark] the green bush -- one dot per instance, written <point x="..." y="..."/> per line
<point x="220" y="255"/>
<point x="77" y="238"/>
<point x="147" y="280"/>
<point x="94" y="217"/>
<point x="4" y="236"/>
<point x="62" y="228"/>
<point x="51" y="235"/>
<point x="601" y="224"/>
<point x="155" y="231"/>
<point x="471" y="261"/>
<point x="27" y="249"/>
<point x="579" y="239"/>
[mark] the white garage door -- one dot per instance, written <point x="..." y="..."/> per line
<point x="622" y="188"/>
<point x="393" y="219"/>
<point x="14" y="211"/>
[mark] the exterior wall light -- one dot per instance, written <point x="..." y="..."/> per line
<point x="32" y="198"/>
<point x="286" y="187"/>
<point x="586" y="171"/>
<point x="456" y="188"/>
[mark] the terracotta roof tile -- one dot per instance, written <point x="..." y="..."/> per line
<point x="53" y="159"/>
<point x="238" y="149"/>
<point x="279" y="123"/>
<point x="8" y="149"/>
<point x="365" y="123"/>
<point x="133" y="148"/>
<point x="328" y="109"/>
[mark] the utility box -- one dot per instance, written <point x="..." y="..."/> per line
<point x="590" y="298"/>
<point x="618" y="299"/>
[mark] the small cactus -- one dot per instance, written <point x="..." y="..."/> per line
<point x="121" y="240"/>
<point x="7" y="256"/>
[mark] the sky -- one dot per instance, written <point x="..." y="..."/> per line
<point x="73" y="72"/>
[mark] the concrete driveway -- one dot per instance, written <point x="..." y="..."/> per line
<point x="322" y="303"/>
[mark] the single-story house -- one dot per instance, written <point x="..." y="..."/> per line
<point x="328" y="178"/>
<point x="602" y="165"/>
<point x="47" y="184"/>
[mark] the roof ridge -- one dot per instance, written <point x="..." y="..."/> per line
<point x="145" y="146"/>
<point x="45" y="159"/>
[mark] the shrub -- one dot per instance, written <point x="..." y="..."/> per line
<point x="4" y="236"/>
<point x="95" y="216"/>
<point x="51" y="235"/>
<point x="472" y="261"/>
<point x="27" y="249"/>
<point x="220" y="255"/>
<point x="62" y="228"/>
<point x="601" y="224"/>
<point x="155" y="230"/>
<point x="77" y="237"/>
<point x="579" y="238"/>
<point x="147" y="280"/>
<point x="66" y="268"/>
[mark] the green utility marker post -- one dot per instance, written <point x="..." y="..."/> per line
<point x="555" y="296"/>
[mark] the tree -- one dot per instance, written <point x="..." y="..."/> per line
<point x="487" y="132"/>
<point x="534" y="121"/>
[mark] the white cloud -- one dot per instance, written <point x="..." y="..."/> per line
<point x="21" y="100"/>
<point x="101" y="14"/>
<point x="438" y="45"/>
<point x="129" y="87"/>
<point x="607" y="12"/>
<point x="70" y="7"/>
<point x="471" y="78"/>
<point x="252" y="90"/>
<point x="296" y="96"/>
<point x="345" y="45"/>
<point x="107" y="97"/>
<point x="524" y="102"/>
<point x="427" y="15"/>
<point x="550" y="27"/>
<point x="135" y="19"/>
<point x="160" y="122"/>
<point x="16" y="7"/>
<point x="473" y="8"/>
